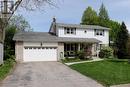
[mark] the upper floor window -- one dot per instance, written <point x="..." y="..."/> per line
<point x="98" y="32"/>
<point x="68" y="30"/>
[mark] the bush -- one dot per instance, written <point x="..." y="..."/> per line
<point x="81" y="54"/>
<point x="67" y="60"/>
<point x="106" y="52"/>
<point x="6" y="67"/>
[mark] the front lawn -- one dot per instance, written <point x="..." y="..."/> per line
<point x="107" y="72"/>
<point x="6" y="67"/>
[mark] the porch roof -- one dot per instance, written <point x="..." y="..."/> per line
<point x="47" y="37"/>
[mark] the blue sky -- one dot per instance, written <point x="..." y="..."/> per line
<point x="70" y="11"/>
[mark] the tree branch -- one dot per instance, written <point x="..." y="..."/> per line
<point x="32" y="5"/>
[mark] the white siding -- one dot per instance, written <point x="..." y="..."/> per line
<point x="81" y="34"/>
<point x="105" y="38"/>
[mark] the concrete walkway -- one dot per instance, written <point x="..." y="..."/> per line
<point x="122" y="85"/>
<point x="94" y="59"/>
<point x="47" y="74"/>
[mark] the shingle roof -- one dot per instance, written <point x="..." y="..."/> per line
<point x="47" y="37"/>
<point x="81" y="26"/>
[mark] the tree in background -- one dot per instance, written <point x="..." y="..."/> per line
<point x="16" y="24"/>
<point x="121" y="41"/>
<point x="89" y="17"/>
<point x="103" y="14"/>
<point x="114" y="28"/>
<point x="32" y="5"/>
<point x="9" y="47"/>
<point x="128" y="46"/>
<point x="20" y="23"/>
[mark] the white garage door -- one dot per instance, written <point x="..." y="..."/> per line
<point x="40" y="54"/>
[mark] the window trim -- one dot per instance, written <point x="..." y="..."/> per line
<point x="70" y="30"/>
<point x="98" y="32"/>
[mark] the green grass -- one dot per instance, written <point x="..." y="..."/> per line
<point x="5" y="68"/>
<point x="107" y="72"/>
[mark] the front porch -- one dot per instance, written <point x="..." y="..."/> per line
<point x="71" y="49"/>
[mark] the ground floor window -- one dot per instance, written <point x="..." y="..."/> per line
<point x="70" y="49"/>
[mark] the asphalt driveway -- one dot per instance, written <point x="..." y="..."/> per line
<point x="46" y="74"/>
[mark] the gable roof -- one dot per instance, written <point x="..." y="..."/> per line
<point x="81" y="26"/>
<point x="47" y="37"/>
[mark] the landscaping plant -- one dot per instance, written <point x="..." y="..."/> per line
<point x="106" y="52"/>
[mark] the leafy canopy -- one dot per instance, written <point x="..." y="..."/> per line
<point x="20" y="23"/>
<point x="121" y="41"/>
<point x="103" y="14"/>
<point x="89" y="16"/>
<point x="16" y="24"/>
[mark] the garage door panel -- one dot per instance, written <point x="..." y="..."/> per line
<point x="40" y="54"/>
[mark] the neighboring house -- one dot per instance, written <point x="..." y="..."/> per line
<point x="62" y="40"/>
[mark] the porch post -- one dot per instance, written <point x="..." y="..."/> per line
<point x="98" y="50"/>
<point x="79" y="47"/>
<point x="92" y="49"/>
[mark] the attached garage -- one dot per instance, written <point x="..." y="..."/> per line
<point x="28" y="51"/>
<point x="39" y="51"/>
<point x="40" y="46"/>
<point x="37" y="46"/>
<point x="39" y="54"/>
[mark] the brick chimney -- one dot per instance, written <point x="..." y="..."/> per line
<point x="54" y="19"/>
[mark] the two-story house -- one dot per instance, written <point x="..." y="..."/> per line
<point x="62" y="40"/>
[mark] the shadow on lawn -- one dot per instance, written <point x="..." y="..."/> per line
<point x="118" y="60"/>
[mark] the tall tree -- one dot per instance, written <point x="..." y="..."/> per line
<point x="89" y="17"/>
<point x="9" y="45"/>
<point x="121" y="41"/>
<point x="20" y="23"/>
<point x="16" y="23"/>
<point x="103" y="14"/>
<point x="114" y="27"/>
<point x="128" y="46"/>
